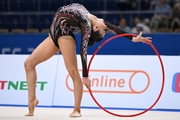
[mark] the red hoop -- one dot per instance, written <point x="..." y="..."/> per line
<point x="162" y="66"/>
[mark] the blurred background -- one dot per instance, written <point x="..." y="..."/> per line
<point x="35" y="16"/>
<point x="25" y="23"/>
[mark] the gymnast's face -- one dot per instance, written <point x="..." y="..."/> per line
<point x="100" y="26"/>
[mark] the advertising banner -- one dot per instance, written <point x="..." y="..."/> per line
<point x="124" y="82"/>
<point x="13" y="84"/>
<point x="26" y="43"/>
<point x="171" y="94"/>
<point x="132" y="82"/>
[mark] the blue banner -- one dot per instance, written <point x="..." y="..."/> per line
<point x="166" y="44"/>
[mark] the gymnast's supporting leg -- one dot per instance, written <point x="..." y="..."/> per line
<point x="43" y="52"/>
<point x="68" y="49"/>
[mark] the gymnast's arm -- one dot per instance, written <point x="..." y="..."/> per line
<point x="116" y="30"/>
<point x="85" y="33"/>
<point x="137" y="38"/>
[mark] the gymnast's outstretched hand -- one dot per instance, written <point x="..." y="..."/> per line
<point x="86" y="82"/>
<point x="139" y="38"/>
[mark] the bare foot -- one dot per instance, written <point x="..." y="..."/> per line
<point x="75" y="114"/>
<point x="31" y="107"/>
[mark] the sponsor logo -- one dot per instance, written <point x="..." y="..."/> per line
<point x="19" y="85"/>
<point x="176" y="83"/>
<point x="116" y="81"/>
<point x="17" y="50"/>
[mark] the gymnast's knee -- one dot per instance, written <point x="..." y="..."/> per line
<point x="73" y="72"/>
<point x="28" y="65"/>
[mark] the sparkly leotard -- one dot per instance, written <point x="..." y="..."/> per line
<point x="69" y="19"/>
<point x="72" y="18"/>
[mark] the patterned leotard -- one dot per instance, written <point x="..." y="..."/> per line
<point x="71" y="18"/>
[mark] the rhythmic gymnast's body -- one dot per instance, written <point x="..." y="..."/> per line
<point x="61" y="38"/>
